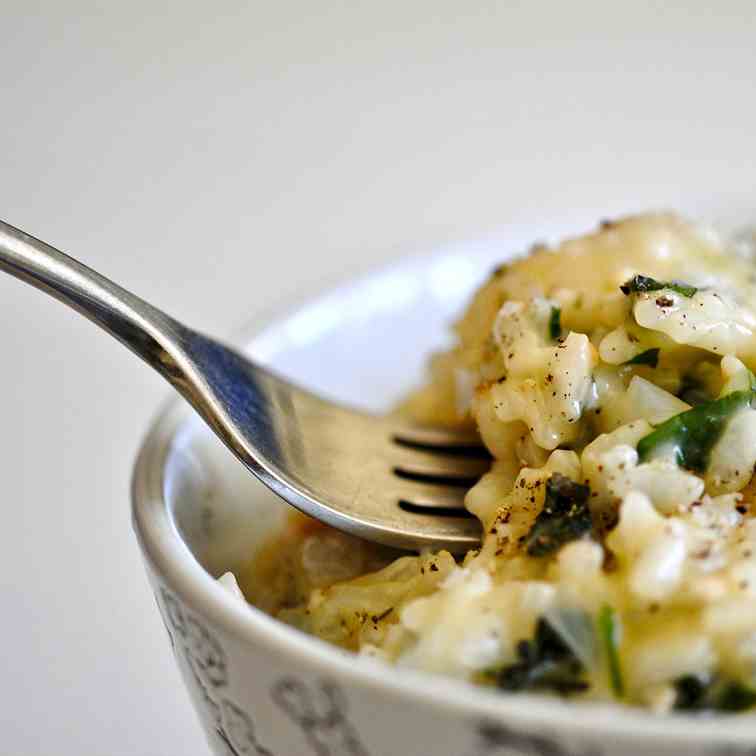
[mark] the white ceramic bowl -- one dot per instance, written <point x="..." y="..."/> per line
<point x="261" y="688"/>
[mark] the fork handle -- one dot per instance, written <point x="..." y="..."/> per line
<point x="144" y="329"/>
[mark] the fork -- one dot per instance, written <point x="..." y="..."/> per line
<point x="375" y="476"/>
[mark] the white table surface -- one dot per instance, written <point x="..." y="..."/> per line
<point x="218" y="157"/>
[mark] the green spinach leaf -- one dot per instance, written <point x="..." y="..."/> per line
<point x="544" y="663"/>
<point x="698" y="694"/>
<point x="649" y="357"/>
<point x="555" y="323"/>
<point x="565" y="516"/>
<point x="642" y="284"/>
<point x="691" y="435"/>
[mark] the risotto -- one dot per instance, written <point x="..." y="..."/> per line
<point x="610" y="378"/>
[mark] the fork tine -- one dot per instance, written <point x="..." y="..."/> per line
<point x="420" y="515"/>
<point x="441" y="438"/>
<point x="416" y="462"/>
<point x="429" y="496"/>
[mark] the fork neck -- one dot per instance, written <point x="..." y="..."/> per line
<point x="142" y="328"/>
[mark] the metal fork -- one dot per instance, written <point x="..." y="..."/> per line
<point x="371" y="475"/>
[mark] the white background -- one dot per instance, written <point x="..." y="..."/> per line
<point x="219" y="157"/>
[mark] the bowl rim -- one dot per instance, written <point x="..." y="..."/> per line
<point x="171" y="559"/>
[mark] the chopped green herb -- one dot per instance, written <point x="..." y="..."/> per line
<point x="692" y="391"/>
<point x="649" y="357"/>
<point x="697" y="694"/>
<point x="544" y="663"/>
<point x="642" y="284"/>
<point x="565" y="516"/>
<point x="609" y="631"/>
<point x="555" y="323"/>
<point x="691" y="435"/>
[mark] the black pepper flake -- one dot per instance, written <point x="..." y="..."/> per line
<point x="378" y="617"/>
